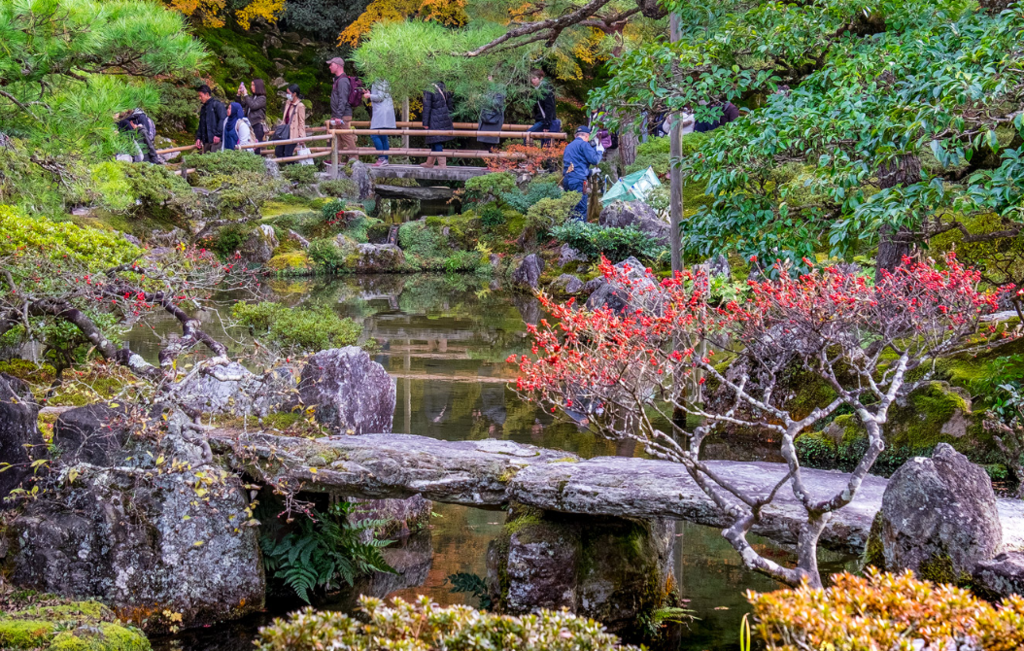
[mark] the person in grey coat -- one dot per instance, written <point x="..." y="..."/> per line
<point x="437" y="115"/>
<point x="382" y="116"/>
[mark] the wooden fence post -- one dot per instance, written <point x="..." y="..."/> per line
<point x="405" y="118"/>
<point x="335" y="162"/>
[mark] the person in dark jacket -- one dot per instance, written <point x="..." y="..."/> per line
<point x="729" y="114"/>
<point x="211" y="121"/>
<point x="255" y="107"/>
<point x="492" y="114"/>
<point x="437" y="115"/>
<point x="579" y="156"/>
<point x="544" y="110"/>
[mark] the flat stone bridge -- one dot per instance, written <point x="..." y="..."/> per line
<point x="492" y="473"/>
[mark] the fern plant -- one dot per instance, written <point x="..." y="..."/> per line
<point x="325" y="550"/>
<point x="473" y="584"/>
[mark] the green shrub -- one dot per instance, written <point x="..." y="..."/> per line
<point x="482" y="189"/>
<point x="326" y="255"/>
<point x="324" y="551"/>
<point x="425" y="625"/>
<point x="535" y="193"/>
<point x="615" y="243"/>
<point x="492" y="215"/>
<point x="59" y="241"/>
<point x="225" y="163"/>
<point x="551" y="212"/>
<point x="300" y="174"/>
<point x="330" y="210"/>
<point x="307" y="329"/>
<point x="339" y="188"/>
<point x="228" y="240"/>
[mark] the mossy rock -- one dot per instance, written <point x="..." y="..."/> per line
<point x="291" y="263"/>
<point x="68" y="626"/>
<point x="611" y="569"/>
<point x="934" y="413"/>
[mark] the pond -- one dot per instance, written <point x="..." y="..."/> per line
<point x="445" y="340"/>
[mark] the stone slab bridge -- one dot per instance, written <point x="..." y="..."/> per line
<point x="493" y="473"/>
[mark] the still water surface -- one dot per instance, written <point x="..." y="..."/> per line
<point x="445" y="340"/>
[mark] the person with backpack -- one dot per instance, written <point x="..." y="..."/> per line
<point x="211" y="121"/>
<point x="346" y="93"/>
<point x="437" y="116"/>
<point x="142" y="130"/>
<point x="382" y="116"/>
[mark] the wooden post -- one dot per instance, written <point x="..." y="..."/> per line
<point x="675" y="176"/>
<point x="335" y="162"/>
<point x="405" y="118"/>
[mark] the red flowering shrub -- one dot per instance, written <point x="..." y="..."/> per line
<point x="614" y="370"/>
<point x="886" y="611"/>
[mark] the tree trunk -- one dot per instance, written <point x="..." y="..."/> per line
<point x="894" y="245"/>
<point x="627" y="144"/>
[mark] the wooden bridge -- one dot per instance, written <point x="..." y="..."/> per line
<point x="492" y="473"/>
<point x="325" y="135"/>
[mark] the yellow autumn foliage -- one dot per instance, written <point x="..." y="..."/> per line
<point x="211" y="12"/>
<point x="269" y="10"/>
<point x="886" y="611"/>
<point x="450" y="13"/>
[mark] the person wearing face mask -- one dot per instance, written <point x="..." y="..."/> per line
<point x="295" y="118"/>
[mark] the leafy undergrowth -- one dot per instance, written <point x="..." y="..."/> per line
<point x="424" y="626"/>
<point x="886" y="611"/>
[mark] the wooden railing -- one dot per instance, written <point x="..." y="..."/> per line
<point x="405" y="129"/>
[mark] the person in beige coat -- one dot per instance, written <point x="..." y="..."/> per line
<point x="295" y="118"/>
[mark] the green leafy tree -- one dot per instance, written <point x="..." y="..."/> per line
<point x="66" y="66"/>
<point x="868" y="121"/>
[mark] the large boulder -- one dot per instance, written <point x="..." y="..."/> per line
<point x="613" y="294"/>
<point x="258" y="247"/>
<point x="613" y="570"/>
<point x="566" y="284"/>
<point x="1000" y="577"/>
<point x="231" y="388"/>
<point x="20" y="440"/>
<point x="170" y="529"/>
<point x="379" y="258"/>
<point x="95" y="434"/>
<point x="351" y="393"/>
<point x="637" y="214"/>
<point x="527" y="274"/>
<point x="939" y="517"/>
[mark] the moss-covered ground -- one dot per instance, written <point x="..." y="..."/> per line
<point x="30" y="620"/>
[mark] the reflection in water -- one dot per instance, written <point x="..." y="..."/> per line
<point x="445" y="340"/>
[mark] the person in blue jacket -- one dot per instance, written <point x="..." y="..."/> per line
<point x="580" y="155"/>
